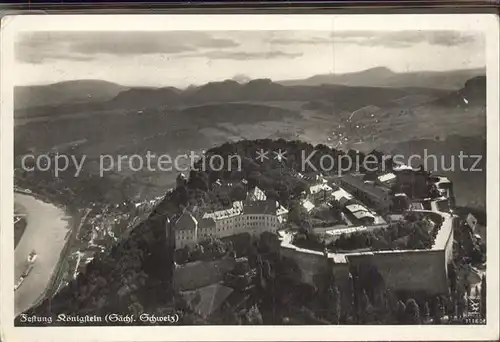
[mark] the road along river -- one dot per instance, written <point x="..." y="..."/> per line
<point x="45" y="233"/>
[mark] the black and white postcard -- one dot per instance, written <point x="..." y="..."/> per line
<point x="249" y="177"/>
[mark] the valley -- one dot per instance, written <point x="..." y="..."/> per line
<point x="174" y="122"/>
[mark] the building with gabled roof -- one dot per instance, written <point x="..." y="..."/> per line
<point x="256" y="194"/>
<point x="444" y="186"/>
<point x="186" y="230"/>
<point x="386" y="178"/>
<point x="342" y="196"/>
<point x="255" y="215"/>
<point x="369" y="193"/>
<point x="308" y="205"/>
<point x="208" y="300"/>
<point x="320" y="192"/>
<point x="361" y="213"/>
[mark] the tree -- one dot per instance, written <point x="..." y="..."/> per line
<point x="452" y="276"/>
<point x="336" y="209"/>
<point x="298" y="214"/>
<point x="231" y="318"/>
<point x="412" y="311"/>
<point x="438" y="311"/>
<point x="300" y="187"/>
<point x="401" y="308"/>
<point x="391" y="301"/>
<point x="350" y="310"/>
<point x="253" y="316"/>
<point x="198" y="180"/>
<point x="334" y="303"/>
<point x="238" y="193"/>
<point x="426" y="312"/>
<point x="461" y="305"/>
<point x="467" y="288"/>
<point x="272" y="195"/>
<point x="267" y="270"/>
<point x="182" y="255"/>
<point x="366" y="308"/>
<point x="434" y="192"/>
<point x="483" y="296"/>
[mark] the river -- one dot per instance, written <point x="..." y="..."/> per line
<point x="45" y="233"/>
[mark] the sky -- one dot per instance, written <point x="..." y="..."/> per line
<point x="183" y="58"/>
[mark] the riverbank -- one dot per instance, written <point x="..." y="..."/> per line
<point x="20" y="224"/>
<point x="44" y="199"/>
<point x="45" y="232"/>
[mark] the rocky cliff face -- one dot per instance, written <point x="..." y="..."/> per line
<point x="472" y="94"/>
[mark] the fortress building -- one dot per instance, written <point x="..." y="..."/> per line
<point x="255" y="215"/>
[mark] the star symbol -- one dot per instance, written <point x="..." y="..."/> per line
<point x="279" y="155"/>
<point x="262" y="155"/>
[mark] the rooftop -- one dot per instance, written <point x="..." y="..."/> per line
<point x="356" y="207"/>
<point x="238" y="205"/>
<point x="360" y="212"/>
<point x="207" y="222"/>
<point x="416" y="206"/>
<point x="256" y="194"/>
<point x="308" y="205"/>
<point x="319" y="187"/>
<point x="223" y="214"/>
<point x="370" y="189"/>
<point x="281" y="209"/>
<point x="208" y="299"/>
<point x="268" y="207"/>
<point x="402" y="167"/>
<point x="347" y="230"/>
<point x="338" y="258"/>
<point x="437" y="179"/>
<point x="363" y="214"/>
<point x="386" y="177"/>
<point x="185" y="216"/>
<point x="341" y="193"/>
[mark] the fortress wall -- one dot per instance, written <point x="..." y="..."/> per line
<point x="409" y="270"/>
<point x="419" y="271"/>
<point x="315" y="264"/>
<point x="310" y="264"/>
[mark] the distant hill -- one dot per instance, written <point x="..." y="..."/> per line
<point x="343" y="97"/>
<point x="473" y="92"/>
<point x="146" y="97"/>
<point x="261" y="90"/>
<point x="239" y="89"/>
<point x="384" y="77"/>
<point x="83" y="95"/>
<point x="65" y="92"/>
